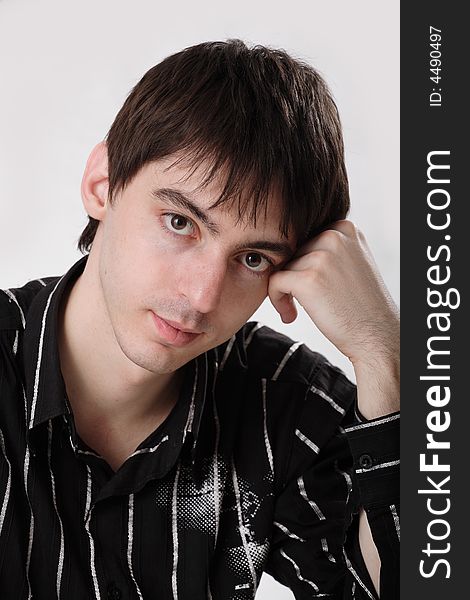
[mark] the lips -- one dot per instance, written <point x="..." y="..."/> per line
<point x="172" y="332"/>
<point x="180" y="326"/>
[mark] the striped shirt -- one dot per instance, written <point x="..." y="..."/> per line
<point x="261" y="466"/>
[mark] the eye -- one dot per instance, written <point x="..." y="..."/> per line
<point x="178" y="224"/>
<point x="256" y="262"/>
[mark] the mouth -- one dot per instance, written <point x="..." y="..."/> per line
<point x="179" y="326"/>
<point x="173" y="332"/>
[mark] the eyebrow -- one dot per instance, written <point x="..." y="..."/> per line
<point x="180" y="200"/>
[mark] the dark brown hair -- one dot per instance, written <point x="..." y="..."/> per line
<point x="259" y="116"/>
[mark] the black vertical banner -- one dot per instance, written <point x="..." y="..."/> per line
<point x="435" y="267"/>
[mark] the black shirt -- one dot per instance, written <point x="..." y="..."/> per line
<point x="261" y="466"/>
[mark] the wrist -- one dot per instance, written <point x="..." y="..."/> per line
<point x="378" y="387"/>
<point x="379" y="345"/>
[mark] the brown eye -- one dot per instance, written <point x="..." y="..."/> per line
<point x="178" y="222"/>
<point x="256" y="262"/>
<point x="253" y="260"/>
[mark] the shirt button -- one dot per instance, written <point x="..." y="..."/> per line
<point x="114" y="593"/>
<point x="365" y="461"/>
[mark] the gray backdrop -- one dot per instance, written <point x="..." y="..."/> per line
<point x="66" y="68"/>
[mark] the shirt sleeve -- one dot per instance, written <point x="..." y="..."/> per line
<point x="338" y="463"/>
<point x="375" y="447"/>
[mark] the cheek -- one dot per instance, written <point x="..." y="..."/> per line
<point x="138" y="271"/>
<point x="150" y="253"/>
<point x="242" y="299"/>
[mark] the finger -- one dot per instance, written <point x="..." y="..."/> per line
<point x="279" y="292"/>
<point x="346" y="227"/>
<point x="328" y="238"/>
<point x="286" y="308"/>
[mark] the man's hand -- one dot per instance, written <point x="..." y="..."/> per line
<point x="335" y="279"/>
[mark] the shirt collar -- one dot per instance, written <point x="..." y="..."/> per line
<point x="44" y="385"/>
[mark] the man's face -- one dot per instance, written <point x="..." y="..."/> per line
<point x="168" y="263"/>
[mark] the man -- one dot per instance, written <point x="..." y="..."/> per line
<point x="155" y="442"/>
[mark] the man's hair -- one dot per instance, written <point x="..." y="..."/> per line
<point x="259" y="117"/>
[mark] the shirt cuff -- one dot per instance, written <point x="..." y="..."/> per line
<point x="375" y="447"/>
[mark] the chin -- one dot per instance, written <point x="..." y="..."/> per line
<point x="159" y="365"/>
<point x="149" y="355"/>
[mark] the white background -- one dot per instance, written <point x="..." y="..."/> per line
<point x="66" y="68"/>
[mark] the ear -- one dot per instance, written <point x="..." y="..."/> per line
<point x="95" y="182"/>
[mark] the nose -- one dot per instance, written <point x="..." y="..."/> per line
<point x="203" y="284"/>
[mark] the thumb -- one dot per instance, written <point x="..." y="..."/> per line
<point x="280" y="295"/>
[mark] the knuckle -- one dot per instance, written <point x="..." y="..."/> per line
<point x="333" y="238"/>
<point x="319" y="265"/>
<point x="350" y="227"/>
<point x="348" y="223"/>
